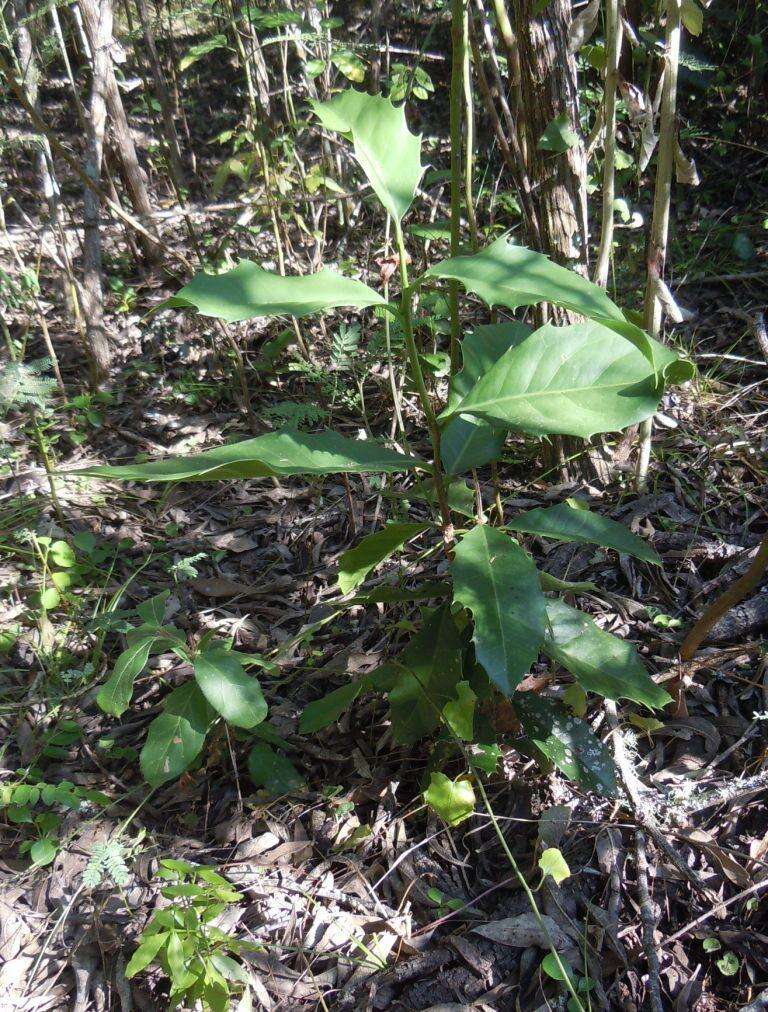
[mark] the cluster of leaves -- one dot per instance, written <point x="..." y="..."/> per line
<point x="182" y="939"/>
<point x="220" y="688"/>
<point x="596" y="376"/>
<point x="33" y="803"/>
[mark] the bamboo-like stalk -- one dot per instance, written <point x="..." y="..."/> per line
<point x="657" y="246"/>
<point x="613" y="33"/>
<point x="469" y="136"/>
<point x="458" y="36"/>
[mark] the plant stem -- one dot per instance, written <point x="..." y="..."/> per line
<point x="657" y="246"/>
<point x="469" y="136"/>
<point x="613" y="32"/>
<point x="406" y="313"/>
<point x="523" y="882"/>
<point x="459" y="29"/>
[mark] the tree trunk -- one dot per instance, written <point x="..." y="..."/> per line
<point x="100" y="37"/>
<point x="162" y="96"/>
<point x="549" y="89"/>
<point x="126" y="150"/>
<point x="30" y="76"/>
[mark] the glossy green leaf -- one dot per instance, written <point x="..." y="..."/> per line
<point x="552" y="862"/>
<point x="115" y="694"/>
<point x="512" y="276"/>
<point x="278" y="454"/>
<point x="388" y="153"/>
<point x="272" y="771"/>
<point x="357" y="563"/>
<point x="430" y="667"/>
<point x="599" y="661"/>
<point x="460" y="712"/>
<point x="467" y="442"/>
<point x="576" y="380"/>
<point x="233" y="693"/>
<point x="176" y="737"/>
<point x="44" y="851"/>
<point x="146" y="952"/>
<point x="497" y="581"/>
<point x="248" y="291"/>
<point x="569" y="521"/>
<point x="559" y="135"/>
<point x="322" y="712"/>
<point x="453" y="800"/>
<point x="567" y="742"/>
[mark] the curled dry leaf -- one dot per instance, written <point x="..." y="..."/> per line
<point x="524" y="930"/>
<point x="583" y="26"/>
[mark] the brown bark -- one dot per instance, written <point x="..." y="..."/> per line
<point x="30" y="80"/>
<point x="161" y="94"/>
<point x="549" y="89"/>
<point x="92" y="298"/>
<point x="126" y="149"/>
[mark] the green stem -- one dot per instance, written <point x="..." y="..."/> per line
<point x="458" y="36"/>
<point x="406" y="313"/>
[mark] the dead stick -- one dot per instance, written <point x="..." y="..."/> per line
<point x="727" y="600"/>
<point x="649" y="923"/>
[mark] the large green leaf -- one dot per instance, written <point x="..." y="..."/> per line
<point x="273" y="771"/>
<point x="567" y="741"/>
<point x="357" y="563"/>
<point x="599" y="661"/>
<point x="389" y="154"/>
<point x="115" y="694"/>
<point x="233" y="693"/>
<point x="468" y="442"/>
<point x="512" y="276"/>
<point x="177" y="735"/>
<point x="453" y="800"/>
<point x="495" y="579"/>
<point x="248" y="291"/>
<point x="576" y="380"/>
<point x="275" y="454"/>
<point x="430" y="668"/>
<point x="568" y="522"/>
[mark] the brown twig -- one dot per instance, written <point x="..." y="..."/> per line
<point x="648" y="918"/>
<point x="727" y="600"/>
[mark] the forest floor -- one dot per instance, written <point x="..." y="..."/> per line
<point x="359" y="895"/>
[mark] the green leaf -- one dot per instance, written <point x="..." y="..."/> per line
<point x="453" y="800"/>
<point x="430" y="667"/>
<point x="272" y="771"/>
<point x="50" y="598"/>
<point x="512" y="276"/>
<point x="248" y="291"/>
<point x="553" y="863"/>
<point x="692" y="16"/>
<point x="551" y="967"/>
<point x="357" y="563"/>
<point x="278" y="454"/>
<point x="177" y="735"/>
<point x="197" y="52"/>
<point x="559" y="135"/>
<point x="351" y="66"/>
<point x="146" y="952"/>
<point x="468" y="442"/>
<point x="570" y="521"/>
<point x="495" y="579"/>
<point x="388" y="153"/>
<point x="231" y="692"/>
<point x="599" y="661"/>
<point x="567" y="741"/>
<point x="576" y="380"/>
<point x="115" y="694"/>
<point x="729" y="964"/>
<point x="43" y="852"/>
<point x="460" y="712"/>
<point x="152" y="611"/>
<point x="327" y="710"/>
